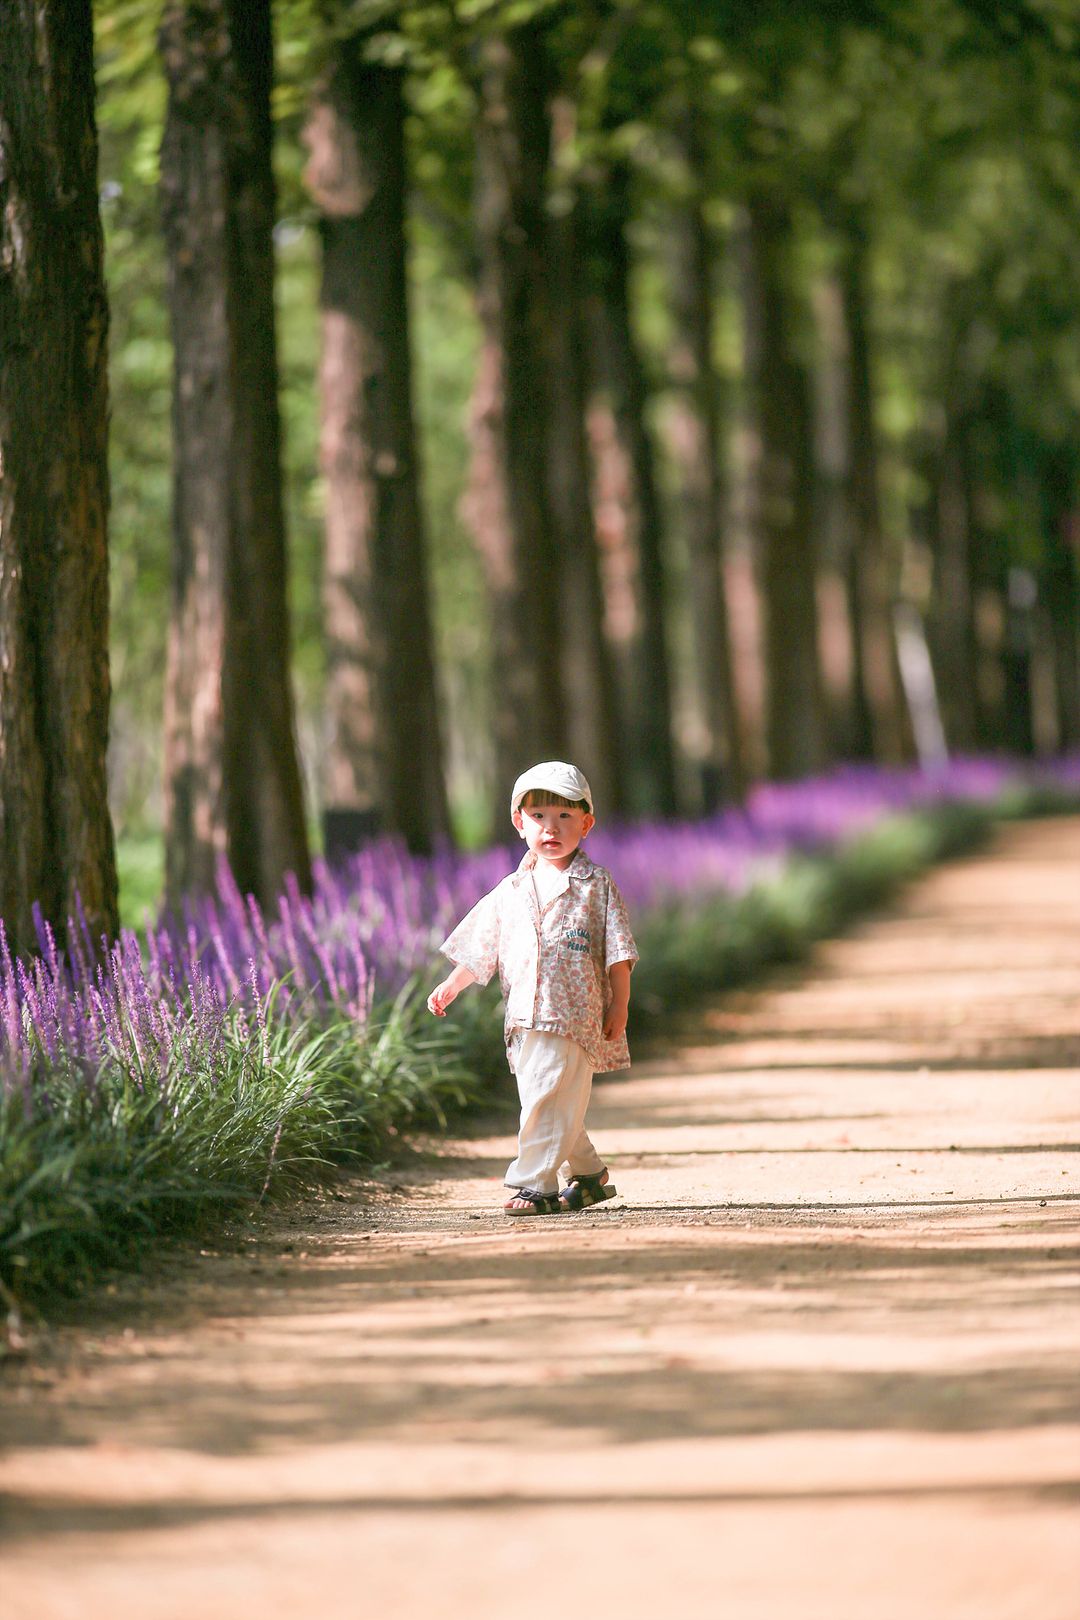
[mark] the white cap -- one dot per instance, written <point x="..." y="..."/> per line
<point x="555" y="777"/>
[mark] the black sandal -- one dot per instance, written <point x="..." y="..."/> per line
<point x="539" y="1203"/>
<point x="582" y="1191"/>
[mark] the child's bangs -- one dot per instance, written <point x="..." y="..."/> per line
<point x="536" y="797"/>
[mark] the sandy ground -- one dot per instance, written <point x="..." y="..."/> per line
<point x="820" y="1360"/>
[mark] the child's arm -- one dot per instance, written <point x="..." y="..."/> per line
<point x="449" y="990"/>
<point x="475" y="940"/>
<point x="619" y="980"/>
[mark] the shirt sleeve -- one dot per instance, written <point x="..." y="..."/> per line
<point x="474" y="943"/>
<point x="618" y="940"/>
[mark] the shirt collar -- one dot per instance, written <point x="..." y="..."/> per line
<point x="581" y="868"/>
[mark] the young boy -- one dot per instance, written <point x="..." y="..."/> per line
<point x="558" y="932"/>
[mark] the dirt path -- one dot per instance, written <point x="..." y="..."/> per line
<point x="820" y="1363"/>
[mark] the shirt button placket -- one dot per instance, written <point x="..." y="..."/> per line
<point x="539" y="973"/>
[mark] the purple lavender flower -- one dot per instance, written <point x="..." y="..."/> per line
<point x="378" y="918"/>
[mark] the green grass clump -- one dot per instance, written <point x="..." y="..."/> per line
<point x="96" y="1171"/>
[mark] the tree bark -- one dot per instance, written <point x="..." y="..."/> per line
<point x="697" y="447"/>
<point x="613" y="520"/>
<point x="56" y="839"/>
<point x="846" y="711"/>
<point x="953" y="641"/>
<point x="1015" y="717"/>
<point x="879" y="694"/>
<point x="593" y="720"/>
<point x="384" y="756"/>
<point x="1060" y="587"/>
<point x="508" y="505"/>
<point x="795" y="730"/>
<point x="622" y="374"/>
<point x="232" y="775"/>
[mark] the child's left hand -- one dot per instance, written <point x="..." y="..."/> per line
<point x="618" y="1008"/>
<point x="615" y="1023"/>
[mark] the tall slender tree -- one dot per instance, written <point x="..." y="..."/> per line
<point x="384" y="756"/>
<point x="508" y="504"/>
<point x="56" y="837"/>
<point x="1061" y="589"/>
<point x="698" y="450"/>
<point x="594" y="725"/>
<point x="953" y="639"/>
<point x="621" y="372"/>
<point x="879" y="703"/>
<point x="232" y="774"/>
<point x="788" y="564"/>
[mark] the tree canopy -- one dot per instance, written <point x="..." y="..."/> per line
<point x="940" y="136"/>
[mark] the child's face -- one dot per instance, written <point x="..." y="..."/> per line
<point x="553" y="831"/>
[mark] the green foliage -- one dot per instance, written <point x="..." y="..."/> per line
<point x="140" y="871"/>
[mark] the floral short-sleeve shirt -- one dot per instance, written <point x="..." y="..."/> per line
<point x="553" y="960"/>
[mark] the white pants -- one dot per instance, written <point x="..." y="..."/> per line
<point x="554" y="1079"/>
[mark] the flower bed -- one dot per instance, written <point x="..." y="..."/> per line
<point x="236" y="1053"/>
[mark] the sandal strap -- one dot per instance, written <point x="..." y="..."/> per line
<point x="582" y="1192"/>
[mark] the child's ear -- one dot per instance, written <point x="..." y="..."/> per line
<point x="587" y="825"/>
<point x="518" y="823"/>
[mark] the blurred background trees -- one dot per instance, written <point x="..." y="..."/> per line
<point x="690" y="386"/>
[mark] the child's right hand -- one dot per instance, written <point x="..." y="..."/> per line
<point x="441" y="997"/>
<point x="443" y="994"/>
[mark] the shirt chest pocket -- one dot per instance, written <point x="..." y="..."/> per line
<point x="578" y="931"/>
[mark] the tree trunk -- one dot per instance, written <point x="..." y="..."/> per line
<point x="56" y="837"/>
<point x="593" y="720"/>
<point x="953" y="624"/>
<point x="795" y="729"/>
<point x="1016" y="719"/>
<point x="384" y="756"/>
<point x="1060" y="588"/>
<point x="613" y="520"/>
<point x="623" y="375"/>
<point x="232" y="776"/>
<point x="508" y="505"/>
<point x="876" y="664"/>
<point x="697" y="447"/>
<point x="846" y="711"/>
